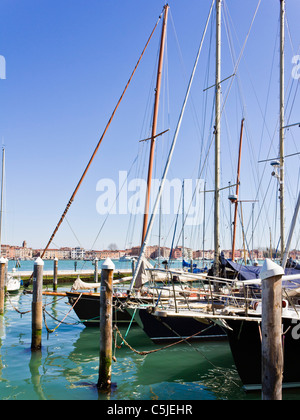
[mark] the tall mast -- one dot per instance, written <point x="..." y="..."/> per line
<point x="155" y="117"/>
<point x="182" y="223"/>
<point x="217" y="136"/>
<point x="282" y="118"/>
<point x="237" y="191"/>
<point x="98" y="144"/>
<point x="159" y="233"/>
<point x="204" y="221"/>
<point x="166" y="170"/>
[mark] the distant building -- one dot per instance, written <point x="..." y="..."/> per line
<point x="77" y="253"/>
<point x="163" y="252"/>
<point x="177" y="253"/>
<point x="6" y="252"/>
<point x="17" y="252"/>
<point x="64" y="253"/>
<point x="151" y="252"/>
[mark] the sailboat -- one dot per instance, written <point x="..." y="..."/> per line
<point x="244" y="327"/>
<point x="87" y="306"/>
<point x="149" y="296"/>
<point x="13" y="282"/>
<point x="168" y="324"/>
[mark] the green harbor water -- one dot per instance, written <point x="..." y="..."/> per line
<point x="67" y="367"/>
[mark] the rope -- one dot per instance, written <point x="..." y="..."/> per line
<point x="99" y="142"/>
<point x="143" y="353"/>
<point x="44" y="311"/>
<point x="51" y="316"/>
<point x="131" y="321"/>
<point x="16" y="309"/>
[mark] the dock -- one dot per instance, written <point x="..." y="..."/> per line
<point x="66" y="273"/>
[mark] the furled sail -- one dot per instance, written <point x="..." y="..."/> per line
<point x="81" y="285"/>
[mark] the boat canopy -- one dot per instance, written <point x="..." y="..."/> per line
<point x="249" y="272"/>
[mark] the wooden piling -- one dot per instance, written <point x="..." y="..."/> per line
<point x="2" y="284"/>
<point x="106" y="295"/>
<point x="272" y="352"/>
<point x="55" y="271"/>
<point x="37" y="305"/>
<point x="96" y="272"/>
<point x="6" y="275"/>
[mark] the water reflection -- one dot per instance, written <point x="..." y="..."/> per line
<point x="184" y="369"/>
<point x="34" y="366"/>
<point x="67" y="367"/>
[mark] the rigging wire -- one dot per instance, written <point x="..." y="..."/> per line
<point x="259" y="192"/>
<point x="100" y="141"/>
<point x="113" y="205"/>
<point x="236" y="66"/>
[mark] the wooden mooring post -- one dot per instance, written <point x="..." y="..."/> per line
<point x="37" y="305"/>
<point x="106" y="296"/>
<point x="55" y="271"/>
<point x="132" y="266"/>
<point x="3" y="263"/>
<point x="96" y="274"/>
<point x="272" y="352"/>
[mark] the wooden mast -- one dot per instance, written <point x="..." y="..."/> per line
<point x="237" y="191"/>
<point x="155" y="117"/>
<point x="165" y="173"/>
<point x="99" y="143"/>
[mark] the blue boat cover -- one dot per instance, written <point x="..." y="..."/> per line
<point x="246" y="272"/>
<point x="186" y="264"/>
<point x="195" y="269"/>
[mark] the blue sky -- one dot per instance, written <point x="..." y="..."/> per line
<point x="67" y="64"/>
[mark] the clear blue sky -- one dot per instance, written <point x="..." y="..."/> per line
<point x="67" y="64"/>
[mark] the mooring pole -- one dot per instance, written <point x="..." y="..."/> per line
<point x="272" y="352"/>
<point x="2" y="284"/>
<point x="96" y="270"/>
<point x="55" y="271"/>
<point x="132" y="266"/>
<point x="106" y="296"/>
<point x="37" y="305"/>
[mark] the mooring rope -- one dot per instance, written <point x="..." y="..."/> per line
<point x="60" y="322"/>
<point x="143" y="353"/>
<point x="16" y="309"/>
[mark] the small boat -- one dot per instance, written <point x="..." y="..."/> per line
<point x="86" y="303"/>
<point x="87" y="307"/>
<point x="13" y="284"/>
<point x="126" y="258"/>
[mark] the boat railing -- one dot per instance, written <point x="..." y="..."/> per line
<point x="200" y="292"/>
